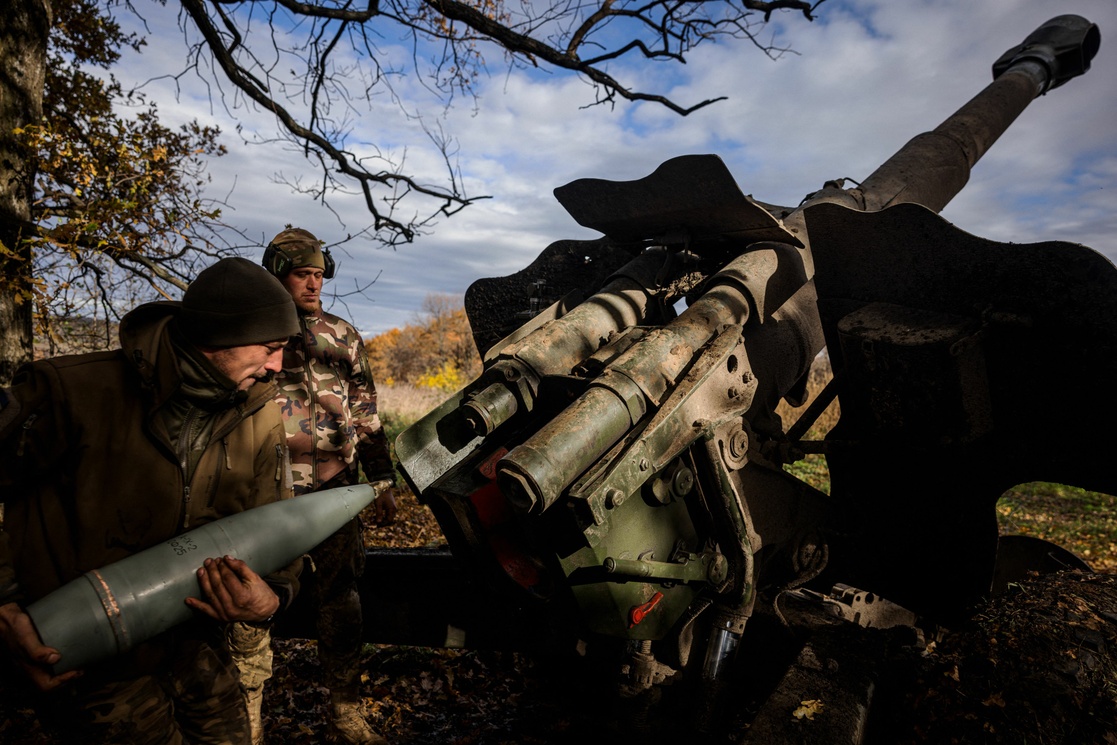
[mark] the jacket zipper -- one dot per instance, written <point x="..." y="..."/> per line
<point x="23" y="435"/>
<point x="216" y="485"/>
<point x="221" y="434"/>
<point x="185" y="441"/>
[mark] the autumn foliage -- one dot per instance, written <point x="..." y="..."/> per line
<point x="435" y="352"/>
<point x="119" y="206"/>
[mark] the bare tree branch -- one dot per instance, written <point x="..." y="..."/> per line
<point x="342" y="161"/>
<point x="314" y="105"/>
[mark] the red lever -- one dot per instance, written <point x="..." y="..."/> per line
<point x="638" y="612"/>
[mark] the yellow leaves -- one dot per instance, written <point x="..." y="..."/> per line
<point x="8" y="255"/>
<point x="808" y="709"/>
<point x="105" y="182"/>
<point x="437" y="355"/>
<point x="447" y="378"/>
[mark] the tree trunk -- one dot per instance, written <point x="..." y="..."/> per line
<point x="23" y="43"/>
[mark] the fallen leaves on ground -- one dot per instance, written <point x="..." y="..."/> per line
<point x="1040" y="666"/>
<point x="424" y="696"/>
<point x="808" y="709"/>
<point x="1037" y="665"/>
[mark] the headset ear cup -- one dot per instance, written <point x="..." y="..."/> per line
<point x="280" y="264"/>
<point x="269" y="259"/>
<point x="276" y="261"/>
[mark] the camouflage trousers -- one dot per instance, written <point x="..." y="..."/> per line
<point x="250" y="647"/>
<point x="331" y="591"/>
<point x="194" y="696"/>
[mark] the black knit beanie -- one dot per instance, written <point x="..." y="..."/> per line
<point x="236" y="302"/>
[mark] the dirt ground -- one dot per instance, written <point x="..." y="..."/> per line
<point x="1038" y="666"/>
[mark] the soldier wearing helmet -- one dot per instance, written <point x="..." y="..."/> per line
<point x="328" y="399"/>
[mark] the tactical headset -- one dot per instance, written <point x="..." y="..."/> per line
<point x="279" y="263"/>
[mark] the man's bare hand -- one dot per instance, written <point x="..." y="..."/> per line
<point x="25" y="646"/>
<point x="231" y="591"/>
<point x="384" y="507"/>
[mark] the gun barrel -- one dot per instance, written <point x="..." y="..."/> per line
<point x="934" y="166"/>
<point x="110" y="610"/>
<point x="534" y="474"/>
<point x="562" y="343"/>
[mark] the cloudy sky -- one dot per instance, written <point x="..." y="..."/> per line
<point x="865" y="77"/>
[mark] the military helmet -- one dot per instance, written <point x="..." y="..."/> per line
<point x="294" y="248"/>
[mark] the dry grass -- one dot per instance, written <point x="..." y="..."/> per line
<point x="812" y="468"/>
<point x="820" y="375"/>
<point x="1080" y="521"/>
<point x="404" y="403"/>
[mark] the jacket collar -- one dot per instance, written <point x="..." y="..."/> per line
<point x="166" y="365"/>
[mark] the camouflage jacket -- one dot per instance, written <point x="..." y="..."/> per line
<point x="328" y="400"/>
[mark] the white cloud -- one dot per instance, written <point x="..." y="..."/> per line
<point x="869" y="75"/>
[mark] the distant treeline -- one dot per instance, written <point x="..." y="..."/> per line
<point x="436" y="351"/>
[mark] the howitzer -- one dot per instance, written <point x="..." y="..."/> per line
<point x="618" y="469"/>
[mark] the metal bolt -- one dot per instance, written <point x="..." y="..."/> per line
<point x="682" y="482"/>
<point x="738" y="444"/>
<point x="613" y="498"/>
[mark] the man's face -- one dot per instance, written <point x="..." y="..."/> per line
<point x="249" y="363"/>
<point x="305" y="286"/>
